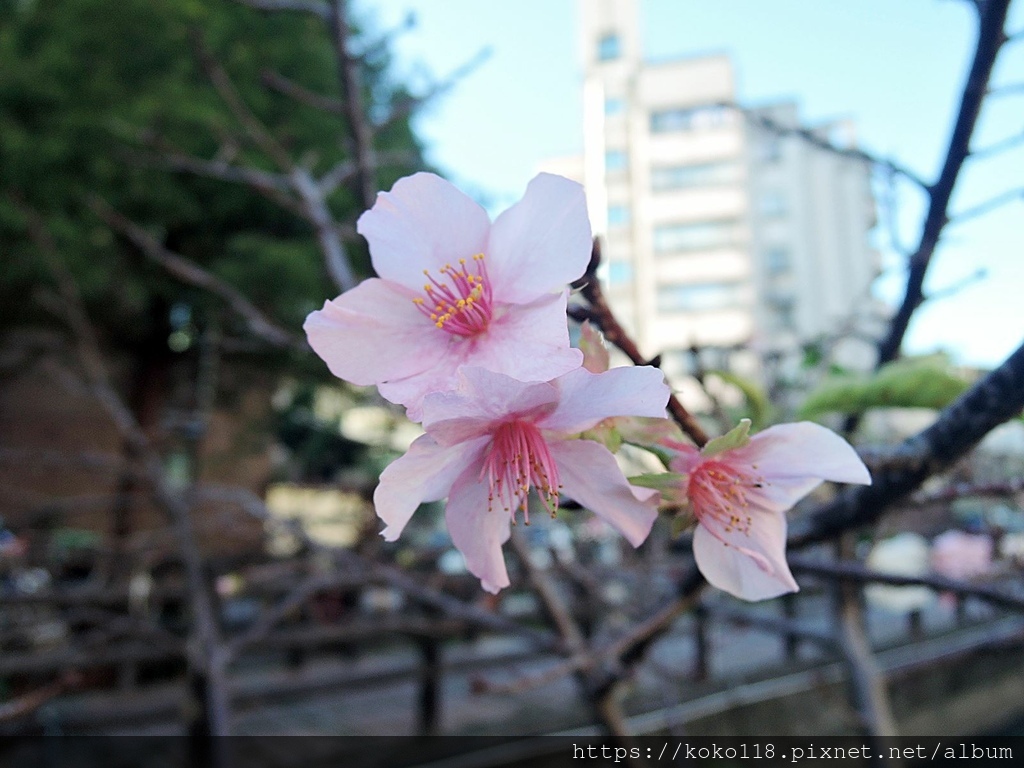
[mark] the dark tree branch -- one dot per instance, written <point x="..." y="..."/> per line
<point x="858" y="573"/>
<point x="996" y="398"/>
<point x="314" y="7"/>
<point x="283" y="85"/>
<point x="812" y="137"/>
<point x="959" y="285"/>
<point x="998" y="148"/>
<point x="1003" y="198"/>
<point x="314" y="202"/>
<point x="206" y="658"/>
<point x="600" y="313"/>
<point x="350" y="81"/>
<point x="406" y="106"/>
<point x="257" y="132"/>
<point x="990" y="39"/>
<point x="189" y="272"/>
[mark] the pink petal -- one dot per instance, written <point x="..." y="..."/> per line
<point x="587" y="398"/>
<point x="589" y="474"/>
<point x="422" y="223"/>
<point x="751" y="567"/>
<point x="478" y="532"/>
<point x="780" y="494"/>
<point x="425" y="473"/>
<point x="541" y="243"/>
<point x="374" y="333"/>
<point x="686" y="457"/>
<point x="803" y="450"/>
<point x="481" y="400"/>
<point x="410" y="391"/>
<point x="529" y="342"/>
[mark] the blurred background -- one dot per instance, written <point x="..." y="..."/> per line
<point x="187" y="541"/>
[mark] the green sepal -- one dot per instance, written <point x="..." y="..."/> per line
<point x="681" y="523"/>
<point x="737" y="437"/>
<point x="595" y="353"/>
<point x="604" y="433"/>
<point x="659" y="481"/>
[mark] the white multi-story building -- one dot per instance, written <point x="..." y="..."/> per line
<point x="719" y="232"/>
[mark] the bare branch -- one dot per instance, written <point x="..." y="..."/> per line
<point x="410" y="104"/>
<point x="254" y="128"/>
<point x="812" y="137"/>
<point x="855" y="572"/>
<point x="547" y="594"/>
<point x="999" y="147"/>
<point x="320" y="217"/>
<point x="996" y="398"/>
<point x="869" y="694"/>
<point x="971" y="490"/>
<point x="1003" y="198"/>
<point x="283" y="85"/>
<point x="385" y="41"/>
<point x="350" y="81"/>
<point x="314" y="7"/>
<point x="206" y="658"/>
<point x="189" y="272"/>
<point x="990" y="39"/>
<point x="1006" y="90"/>
<point x="959" y="285"/>
<point x="600" y="313"/>
<point x="346" y="169"/>
<point x="409" y="585"/>
<point x="273" y="186"/>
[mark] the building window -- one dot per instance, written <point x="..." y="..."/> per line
<point x="772" y="203"/>
<point x="699" y="297"/>
<point x="618" y="215"/>
<point x="619" y="272"/>
<point x="768" y="149"/>
<point x="692" y="237"/>
<point x="777" y="260"/>
<point x="613" y="105"/>
<point x="682" y="176"/>
<point x="609" y="47"/>
<point x="689" y="118"/>
<point x="615" y="160"/>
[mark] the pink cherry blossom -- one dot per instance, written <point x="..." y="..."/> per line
<point x="740" y="488"/>
<point x="455" y="289"/>
<point x="960" y="555"/>
<point x="491" y="440"/>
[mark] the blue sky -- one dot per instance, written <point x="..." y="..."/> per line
<point x="896" y="68"/>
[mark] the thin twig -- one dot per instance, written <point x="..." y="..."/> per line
<point x="257" y="132"/>
<point x="206" y="658"/>
<point x="350" y="81"/>
<point x="314" y="7"/>
<point x="998" y="201"/>
<point x="601" y="313"/>
<point x="856" y="572"/>
<point x="189" y="272"/>
<point x="990" y="39"/>
<point x="283" y="85"/>
<point x="814" y="138"/>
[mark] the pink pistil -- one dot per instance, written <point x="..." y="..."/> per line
<point x="459" y="303"/>
<point x="518" y="458"/>
<point x="718" y="491"/>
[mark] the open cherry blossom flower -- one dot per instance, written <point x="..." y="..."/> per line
<point x="740" y="487"/>
<point x="455" y="289"/>
<point x="493" y="438"/>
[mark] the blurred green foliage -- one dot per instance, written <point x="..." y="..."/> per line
<point x="920" y="382"/>
<point x="89" y="87"/>
<point x="92" y="92"/>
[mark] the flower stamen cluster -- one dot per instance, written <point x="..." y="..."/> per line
<point x="519" y="458"/>
<point x="463" y="306"/>
<point x="719" y="493"/>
